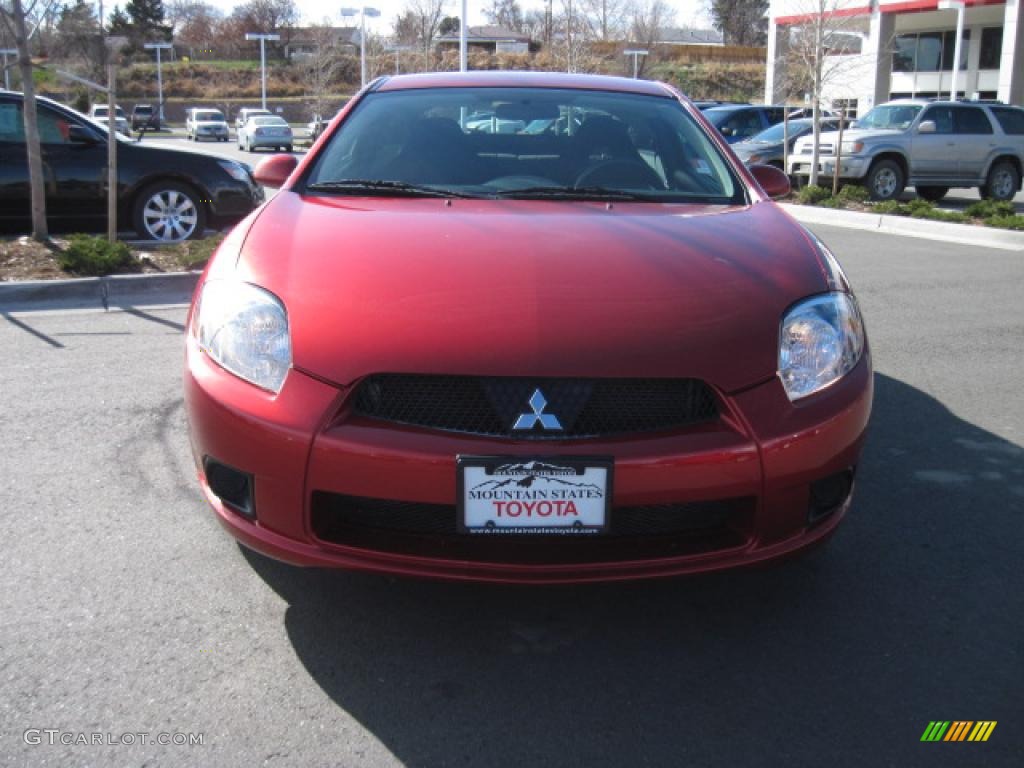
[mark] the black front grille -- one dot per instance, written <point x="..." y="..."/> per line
<point x="431" y="530"/>
<point x="491" y="406"/>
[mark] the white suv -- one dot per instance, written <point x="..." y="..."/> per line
<point x="100" y="113"/>
<point x="205" y="124"/>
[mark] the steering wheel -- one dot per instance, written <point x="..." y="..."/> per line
<point x="619" y="172"/>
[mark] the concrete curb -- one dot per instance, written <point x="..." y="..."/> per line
<point x="98" y="292"/>
<point x="965" y="234"/>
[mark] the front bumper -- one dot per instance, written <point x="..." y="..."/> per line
<point x="852" y="167"/>
<point x="303" y="444"/>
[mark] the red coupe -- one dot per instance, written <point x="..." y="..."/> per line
<point x="525" y="327"/>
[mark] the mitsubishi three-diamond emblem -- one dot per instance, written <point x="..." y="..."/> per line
<point x="529" y="420"/>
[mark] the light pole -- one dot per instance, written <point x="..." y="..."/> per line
<point x="263" y="58"/>
<point x="159" y="76"/>
<point x="959" y="6"/>
<point x="463" y="37"/>
<point x="363" y="12"/>
<point x="5" y="52"/>
<point x="636" y="53"/>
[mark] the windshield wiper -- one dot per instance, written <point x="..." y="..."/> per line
<point x="383" y="188"/>
<point x="573" y="193"/>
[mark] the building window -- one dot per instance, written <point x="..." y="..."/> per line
<point x="850" y="105"/>
<point x="929" y="52"/>
<point x="991" y="47"/>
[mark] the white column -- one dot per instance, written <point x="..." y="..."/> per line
<point x="1011" y="65"/>
<point x="877" y="52"/>
<point x="775" y="65"/>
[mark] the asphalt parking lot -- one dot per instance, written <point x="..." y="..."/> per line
<point x="125" y="609"/>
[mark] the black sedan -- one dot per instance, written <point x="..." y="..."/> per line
<point x="163" y="194"/>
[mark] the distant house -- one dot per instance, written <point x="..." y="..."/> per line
<point x="306" y="41"/>
<point x="686" y="36"/>
<point x="489" y="38"/>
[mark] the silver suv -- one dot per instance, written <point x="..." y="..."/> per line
<point x="929" y="145"/>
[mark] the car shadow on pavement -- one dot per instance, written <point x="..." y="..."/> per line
<point x="910" y="614"/>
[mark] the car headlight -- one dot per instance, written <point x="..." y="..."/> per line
<point x="852" y="147"/>
<point x="820" y="341"/>
<point x="245" y="330"/>
<point x="234" y="170"/>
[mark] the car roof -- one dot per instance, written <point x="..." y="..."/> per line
<point x="507" y="79"/>
<point x="733" y="108"/>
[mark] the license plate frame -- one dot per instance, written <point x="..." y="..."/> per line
<point x="569" y="499"/>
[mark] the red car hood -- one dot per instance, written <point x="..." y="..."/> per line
<point x="519" y="288"/>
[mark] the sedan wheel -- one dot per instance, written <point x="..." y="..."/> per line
<point x="169" y="212"/>
<point x="1002" y="182"/>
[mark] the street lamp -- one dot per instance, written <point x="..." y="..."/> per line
<point x="159" y="76"/>
<point x="636" y="53"/>
<point x="959" y="6"/>
<point x="5" y="52"/>
<point x="463" y="39"/>
<point x="263" y="58"/>
<point x="363" y="12"/>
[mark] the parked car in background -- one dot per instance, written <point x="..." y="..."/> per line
<point x="766" y="148"/>
<point x="598" y="355"/>
<point x="203" y="123"/>
<point x="145" y="116"/>
<point x="929" y="145"/>
<point x="164" y="194"/>
<point x="100" y="113"/>
<point x="737" y="122"/>
<point x="245" y="113"/>
<point x="265" y="132"/>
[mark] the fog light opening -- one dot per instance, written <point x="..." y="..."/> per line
<point x="231" y="486"/>
<point x="829" y="494"/>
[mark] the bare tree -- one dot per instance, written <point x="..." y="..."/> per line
<point x="606" y="19"/>
<point x="321" y="66"/>
<point x="649" y="18"/>
<point x="13" y="19"/>
<point x="427" y="15"/>
<point x="818" y="57"/>
<point x="505" y="13"/>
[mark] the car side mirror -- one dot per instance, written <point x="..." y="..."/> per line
<point x="274" y="171"/>
<point x="928" y="126"/>
<point x="78" y="134"/>
<point x="774" y="182"/>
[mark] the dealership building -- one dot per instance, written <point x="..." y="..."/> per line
<point x="887" y="49"/>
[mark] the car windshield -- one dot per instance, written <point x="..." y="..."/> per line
<point x="530" y="143"/>
<point x="269" y="120"/>
<point x="143" y="110"/>
<point x="778" y="131"/>
<point x="209" y="116"/>
<point x="892" y="116"/>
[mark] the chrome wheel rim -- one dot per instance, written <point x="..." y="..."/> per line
<point x="885" y="183"/>
<point x="170" y="215"/>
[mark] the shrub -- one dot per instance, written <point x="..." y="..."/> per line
<point x="920" y="209"/>
<point x="890" y="207"/>
<point x="854" y="193"/>
<point x="812" y="194"/>
<point x="832" y="202"/>
<point x="91" y="255"/>
<point x="1006" y="222"/>
<point x="984" y="209"/>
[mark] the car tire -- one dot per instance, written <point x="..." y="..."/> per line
<point x="169" y="211"/>
<point x="931" y="194"/>
<point x="885" y="180"/>
<point x="1002" y="183"/>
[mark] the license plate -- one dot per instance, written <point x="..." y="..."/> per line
<point x="503" y="495"/>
